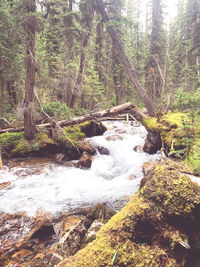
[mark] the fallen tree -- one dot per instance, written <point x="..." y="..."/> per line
<point x="99" y="116"/>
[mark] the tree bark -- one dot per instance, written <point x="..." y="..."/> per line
<point x="119" y="47"/>
<point x="2" y="98"/>
<point x="81" y="70"/>
<point x="29" y="123"/>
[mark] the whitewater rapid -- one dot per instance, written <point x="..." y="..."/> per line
<point x="112" y="178"/>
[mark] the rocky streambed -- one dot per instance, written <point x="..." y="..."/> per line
<point x="47" y="204"/>
<point x="49" y="218"/>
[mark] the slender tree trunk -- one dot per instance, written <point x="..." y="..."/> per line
<point x="29" y="123"/>
<point x="69" y="58"/>
<point x="81" y="70"/>
<point x="2" y="98"/>
<point x="99" y="44"/>
<point x="119" y="47"/>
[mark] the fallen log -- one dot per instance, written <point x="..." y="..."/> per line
<point x="99" y="115"/>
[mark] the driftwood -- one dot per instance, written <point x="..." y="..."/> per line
<point x="99" y="115"/>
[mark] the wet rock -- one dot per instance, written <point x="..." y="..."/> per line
<point x="92" y="128"/>
<point x="59" y="158"/>
<point x="114" y="137"/>
<point x="120" y="131"/>
<point x="75" y="238"/>
<point x="93" y="230"/>
<point x="86" y="146"/>
<point x="103" y="151"/>
<point x="147" y="168"/>
<point x="138" y="148"/>
<point x="153" y="143"/>
<point x="4" y="185"/>
<point x="18" y="231"/>
<point x="132" y="177"/>
<point x="85" y="161"/>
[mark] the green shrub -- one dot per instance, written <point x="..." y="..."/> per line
<point x="58" y="110"/>
<point x="186" y="100"/>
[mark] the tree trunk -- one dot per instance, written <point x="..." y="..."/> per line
<point x="69" y="57"/>
<point x="2" y="98"/>
<point x="119" y="47"/>
<point x="81" y="70"/>
<point x="29" y="123"/>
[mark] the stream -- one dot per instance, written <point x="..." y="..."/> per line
<point x="112" y="178"/>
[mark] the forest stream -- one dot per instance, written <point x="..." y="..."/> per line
<point x="112" y="179"/>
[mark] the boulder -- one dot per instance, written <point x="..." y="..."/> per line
<point x="92" y="128"/>
<point x="103" y="150"/>
<point x="85" y="161"/>
<point x="153" y="143"/>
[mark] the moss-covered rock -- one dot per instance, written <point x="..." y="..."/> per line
<point x="180" y="135"/>
<point x="158" y="227"/>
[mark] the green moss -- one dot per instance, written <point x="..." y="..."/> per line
<point x="194" y="158"/>
<point x="16" y="145"/>
<point x="43" y="138"/>
<point x="73" y="133"/>
<point x="23" y="148"/>
<point x="9" y="140"/>
<point x="176" y="194"/>
<point x="135" y="236"/>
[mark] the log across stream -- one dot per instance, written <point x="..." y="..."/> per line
<point x="112" y="178"/>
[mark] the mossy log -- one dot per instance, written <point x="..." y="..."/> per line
<point x="158" y="227"/>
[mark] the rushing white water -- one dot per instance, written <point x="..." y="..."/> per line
<point x="57" y="188"/>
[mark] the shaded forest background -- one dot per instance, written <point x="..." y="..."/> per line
<point x="61" y="51"/>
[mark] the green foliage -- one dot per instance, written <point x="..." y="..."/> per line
<point x="9" y="140"/>
<point x="186" y="100"/>
<point x="58" y="110"/>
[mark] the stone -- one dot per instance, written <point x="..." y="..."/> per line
<point x="86" y="146"/>
<point x="4" y="185"/>
<point x="85" y="161"/>
<point x="114" y="137"/>
<point x="138" y="148"/>
<point x="132" y="177"/>
<point x="59" y="158"/>
<point x="103" y="151"/>
<point x="92" y="128"/>
<point x="147" y="168"/>
<point x="18" y="231"/>
<point x="93" y="230"/>
<point x="153" y="143"/>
